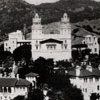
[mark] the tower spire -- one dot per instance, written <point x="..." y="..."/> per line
<point x="65" y="18"/>
<point x="24" y="31"/>
<point x="36" y="27"/>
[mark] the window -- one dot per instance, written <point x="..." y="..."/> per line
<point x="85" y="79"/>
<point x="90" y="39"/>
<point x="86" y="90"/>
<point x="98" y="87"/>
<point x="36" y="47"/>
<point x="9" y="98"/>
<point x="65" y="46"/>
<point x="95" y="49"/>
<point x="97" y="79"/>
<point x="1" y="98"/>
<point x="9" y="48"/>
<point x="36" y="22"/>
<point x="23" y="88"/>
<point x="5" y="89"/>
<point x="5" y="97"/>
<point x="52" y="32"/>
<point x="51" y="46"/>
<point x="1" y="90"/>
<point x="83" y="89"/>
<point x="6" y="44"/>
<point x="91" y="80"/>
<point x="9" y="89"/>
<point x="94" y="38"/>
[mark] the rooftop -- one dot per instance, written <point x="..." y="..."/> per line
<point x="51" y="40"/>
<point x="13" y="82"/>
<point x="85" y="73"/>
<point x="31" y="75"/>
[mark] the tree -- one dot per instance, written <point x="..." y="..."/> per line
<point x="36" y="94"/>
<point x="19" y="98"/>
<point x="58" y="81"/>
<point x="73" y="93"/>
<point x="94" y="96"/>
<point x="86" y="52"/>
<point x="8" y="62"/>
<point x="44" y="68"/>
<point x="66" y="64"/>
<point x="23" y="68"/>
<point x="95" y="60"/>
<point x="22" y="52"/>
<point x="4" y="54"/>
<point x="61" y="89"/>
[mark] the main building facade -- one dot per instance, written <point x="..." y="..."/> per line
<point x="52" y="45"/>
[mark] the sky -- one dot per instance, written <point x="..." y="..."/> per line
<point x="37" y="2"/>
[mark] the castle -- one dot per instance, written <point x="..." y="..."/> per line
<point x="52" y="45"/>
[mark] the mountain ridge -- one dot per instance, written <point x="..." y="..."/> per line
<point x="15" y="13"/>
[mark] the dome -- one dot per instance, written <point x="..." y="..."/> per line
<point x="36" y="15"/>
<point x="65" y="15"/>
<point x="65" y="18"/>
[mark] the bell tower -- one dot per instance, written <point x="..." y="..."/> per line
<point x="65" y="32"/>
<point x="65" y="27"/>
<point x="36" y="27"/>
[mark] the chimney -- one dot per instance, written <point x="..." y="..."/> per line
<point x="24" y="31"/>
<point x="77" y="70"/>
<point x="0" y="75"/>
<point x="12" y="75"/>
<point x="89" y="67"/>
<point x="18" y="76"/>
<point x="99" y="67"/>
<point x="5" y="74"/>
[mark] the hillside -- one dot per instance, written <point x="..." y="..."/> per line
<point x="78" y="10"/>
<point x="15" y="13"/>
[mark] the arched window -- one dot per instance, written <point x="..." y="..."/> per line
<point x="1" y="90"/>
<point x="9" y="89"/>
<point x="5" y="89"/>
<point x="98" y="87"/>
<point x="36" y="47"/>
<point x="86" y="90"/>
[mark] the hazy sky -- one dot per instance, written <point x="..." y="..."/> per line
<point x="36" y="2"/>
<point x="40" y="1"/>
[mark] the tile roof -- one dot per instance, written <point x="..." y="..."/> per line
<point x="96" y="72"/>
<point x="22" y="82"/>
<point x="31" y="75"/>
<point x="85" y="73"/>
<point x="7" y="82"/>
<point x="72" y="73"/>
<point x="13" y="82"/>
